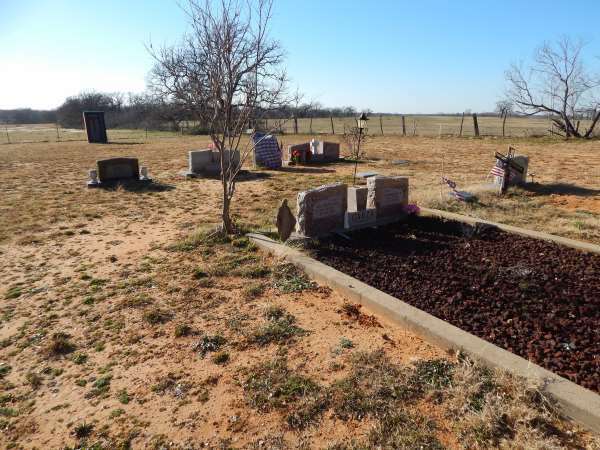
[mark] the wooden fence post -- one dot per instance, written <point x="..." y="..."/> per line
<point x="475" y="125"/>
<point x="403" y="126"/>
<point x="332" y="129"/>
<point x="462" y="121"/>
<point x="295" y="125"/>
<point x="381" y="124"/>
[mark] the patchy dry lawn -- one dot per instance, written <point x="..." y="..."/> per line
<point x="125" y="323"/>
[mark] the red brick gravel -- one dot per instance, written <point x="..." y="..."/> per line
<point x="536" y="299"/>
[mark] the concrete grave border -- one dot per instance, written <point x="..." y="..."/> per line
<point x="578" y="403"/>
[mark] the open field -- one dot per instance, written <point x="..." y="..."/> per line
<point x="416" y="125"/>
<point x="124" y="322"/>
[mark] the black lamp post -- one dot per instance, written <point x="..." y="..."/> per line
<point x="361" y="124"/>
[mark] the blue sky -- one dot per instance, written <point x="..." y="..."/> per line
<point x="423" y="56"/>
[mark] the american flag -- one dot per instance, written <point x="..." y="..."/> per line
<point x="499" y="172"/>
<point x="453" y="192"/>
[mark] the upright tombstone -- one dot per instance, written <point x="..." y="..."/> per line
<point x="116" y="170"/>
<point x="95" y="127"/>
<point x="331" y="151"/>
<point x="321" y="210"/>
<point x="388" y="196"/>
<point x="208" y="162"/>
<point x="299" y="151"/>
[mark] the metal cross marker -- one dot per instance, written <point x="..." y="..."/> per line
<point x="507" y="165"/>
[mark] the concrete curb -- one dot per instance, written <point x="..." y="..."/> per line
<point x="586" y="246"/>
<point x="578" y="403"/>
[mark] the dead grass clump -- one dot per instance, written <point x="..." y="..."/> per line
<point x="201" y="238"/>
<point x="273" y="385"/>
<point x="374" y="387"/>
<point x="157" y="316"/>
<point x="499" y="410"/>
<point x="254" y="290"/>
<point x="59" y="344"/>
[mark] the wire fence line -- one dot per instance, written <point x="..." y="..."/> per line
<point x="378" y="125"/>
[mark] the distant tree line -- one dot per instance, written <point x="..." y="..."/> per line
<point x="27" y="115"/>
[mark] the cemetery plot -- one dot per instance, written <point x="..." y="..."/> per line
<point x="536" y="299"/>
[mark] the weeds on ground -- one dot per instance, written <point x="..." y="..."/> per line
<point x="273" y="385"/>
<point x="280" y="328"/>
<point x="209" y="344"/>
<point x="287" y="278"/>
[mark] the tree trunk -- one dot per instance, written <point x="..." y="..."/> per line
<point x="589" y="132"/>
<point x="227" y="223"/>
<point x="504" y="125"/>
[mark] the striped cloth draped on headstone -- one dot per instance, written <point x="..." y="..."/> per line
<point x="266" y="151"/>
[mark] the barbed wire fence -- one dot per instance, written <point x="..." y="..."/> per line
<point x="466" y="126"/>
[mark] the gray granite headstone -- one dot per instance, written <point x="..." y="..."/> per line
<point x="321" y="210"/>
<point x="118" y="169"/>
<point x="208" y="161"/>
<point x="388" y="195"/>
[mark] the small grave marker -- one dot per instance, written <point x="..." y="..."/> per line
<point x="285" y="221"/>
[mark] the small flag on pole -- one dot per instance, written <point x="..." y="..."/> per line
<point x="458" y="195"/>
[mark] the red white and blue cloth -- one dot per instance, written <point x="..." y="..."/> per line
<point x="266" y="151"/>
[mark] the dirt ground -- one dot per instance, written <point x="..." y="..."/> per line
<point x="111" y="299"/>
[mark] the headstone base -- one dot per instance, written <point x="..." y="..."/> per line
<point x="355" y="220"/>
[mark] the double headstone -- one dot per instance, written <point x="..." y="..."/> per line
<point x="324" y="151"/>
<point x="321" y="210"/>
<point x="95" y="127"/>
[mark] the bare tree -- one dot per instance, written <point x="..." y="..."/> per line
<point x="558" y="83"/>
<point x="354" y="137"/>
<point x="504" y="108"/>
<point x="226" y="71"/>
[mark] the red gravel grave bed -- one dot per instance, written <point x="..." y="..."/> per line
<point x="536" y="299"/>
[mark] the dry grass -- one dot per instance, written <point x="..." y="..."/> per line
<point x="126" y="321"/>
